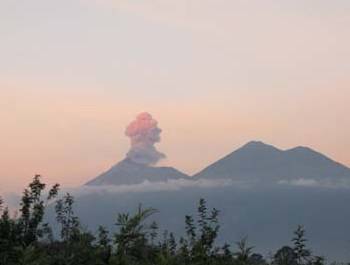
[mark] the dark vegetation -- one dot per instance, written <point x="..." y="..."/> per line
<point x="26" y="240"/>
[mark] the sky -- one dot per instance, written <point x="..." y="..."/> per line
<point x="214" y="73"/>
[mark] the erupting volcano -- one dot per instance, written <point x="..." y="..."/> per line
<point x="138" y="165"/>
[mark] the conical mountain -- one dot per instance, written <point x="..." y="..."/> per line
<point x="128" y="172"/>
<point x="260" y="161"/>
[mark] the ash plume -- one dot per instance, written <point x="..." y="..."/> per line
<point x="144" y="134"/>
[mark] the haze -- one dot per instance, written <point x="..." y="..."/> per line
<point x="215" y="74"/>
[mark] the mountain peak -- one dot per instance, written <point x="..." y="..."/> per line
<point x="255" y="144"/>
<point x="258" y="145"/>
<point x="301" y="149"/>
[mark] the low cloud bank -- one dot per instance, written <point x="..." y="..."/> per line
<point x="326" y="183"/>
<point x="176" y="185"/>
<point x="147" y="186"/>
<point x="12" y="200"/>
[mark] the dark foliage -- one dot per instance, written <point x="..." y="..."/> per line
<point x="25" y="239"/>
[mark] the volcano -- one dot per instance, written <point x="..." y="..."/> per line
<point x="257" y="161"/>
<point x="267" y="212"/>
<point x="128" y="172"/>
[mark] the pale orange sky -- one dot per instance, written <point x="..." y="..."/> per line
<point x="215" y="74"/>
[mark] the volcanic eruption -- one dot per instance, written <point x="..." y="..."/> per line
<point x="144" y="134"/>
<point x="139" y="164"/>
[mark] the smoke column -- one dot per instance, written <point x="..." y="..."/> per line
<point x="144" y="134"/>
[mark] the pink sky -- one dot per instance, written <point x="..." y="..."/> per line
<point x="215" y="74"/>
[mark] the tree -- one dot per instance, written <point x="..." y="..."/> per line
<point x="199" y="242"/>
<point x="285" y="256"/>
<point x="10" y="240"/>
<point x="32" y="210"/>
<point x="76" y="245"/>
<point x="153" y="232"/>
<point x="257" y="259"/>
<point x="243" y="255"/>
<point x="19" y="236"/>
<point x="132" y="238"/>
<point x="172" y="244"/>
<point x="104" y="245"/>
<point x="66" y="218"/>
<point x="302" y="254"/>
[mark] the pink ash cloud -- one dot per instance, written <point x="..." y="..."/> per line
<point x="144" y="134"/>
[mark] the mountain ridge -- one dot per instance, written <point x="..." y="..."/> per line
<point x="256" y="160"/>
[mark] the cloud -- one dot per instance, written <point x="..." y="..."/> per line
<point x="325" y="183"/>
<point x="144" y="134"/>
<point x="147" y="186"/>
<point x="180" y="184"/>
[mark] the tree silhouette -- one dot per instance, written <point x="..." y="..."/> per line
<point x="302" y="254"/>
<point x="26" y="240"/>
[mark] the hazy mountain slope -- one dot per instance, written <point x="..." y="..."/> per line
<point x="259" y="161"/>
<point x="128" y="172"/>
<point x="267" y="214"/>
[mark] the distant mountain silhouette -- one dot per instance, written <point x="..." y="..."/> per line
<point x="128" y="172"/>
<point x="267" y="212"/>
<point x="259" y="161"/>
<point x="255" y="161"/>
